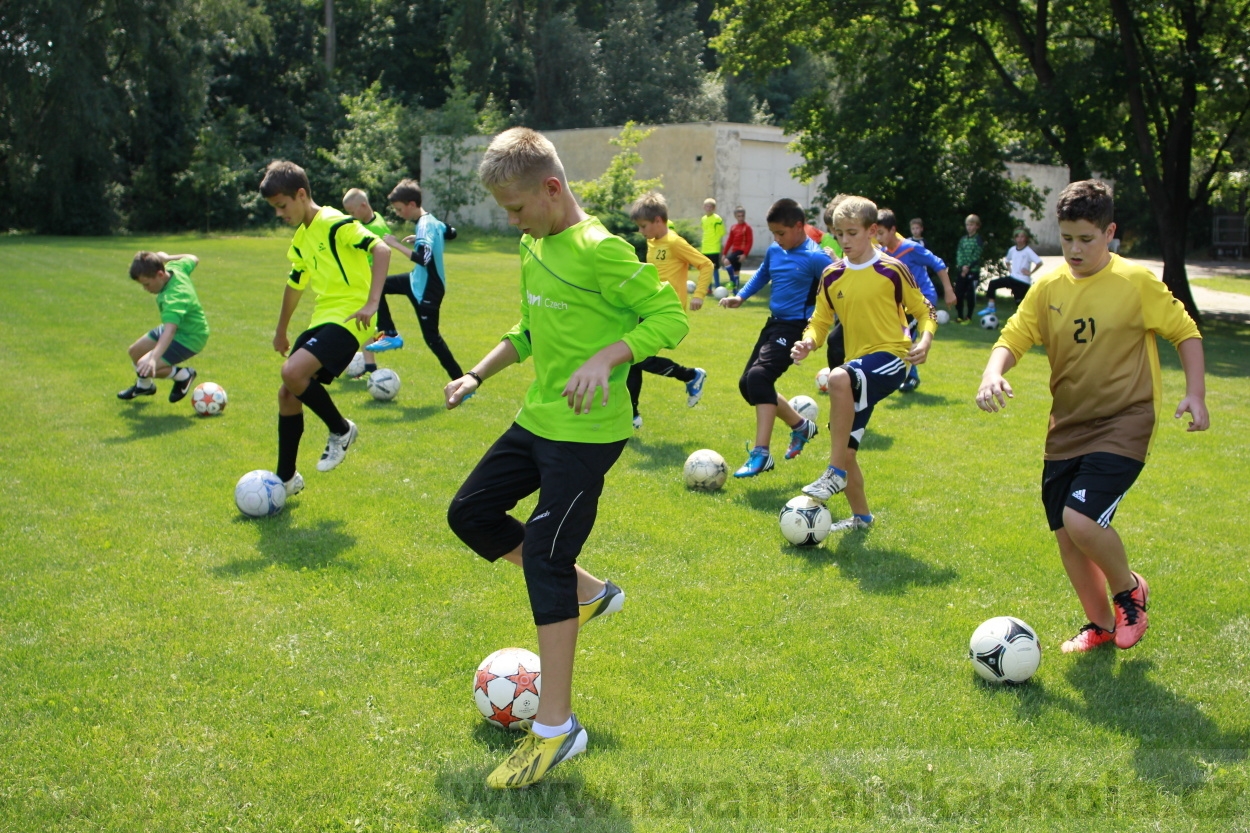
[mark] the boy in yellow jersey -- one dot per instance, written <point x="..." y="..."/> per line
<point x="1097" y="317"/>
<point x="356" y="203"/>
<point x="713" y="234"/>
<point x="582" y="295"/>
<point x="872" y="295"/>
<point x="331" y="253"/>
<point x="672" y="257"/>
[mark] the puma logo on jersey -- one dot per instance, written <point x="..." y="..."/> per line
<point x="1079" y="494"/>
<point x="1058" y="309"/>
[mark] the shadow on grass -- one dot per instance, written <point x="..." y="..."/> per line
<point x="879" y="571"/>
<point x="145" y="426"/>
<point x="283" y="544"/>
<point x="768" y="498"/>
<point x="658" y="455"/>
<point x="917" y="398"/>
<point x="873" y="441"/>
<point x="1178" y="747"/>
<point x="560" y="802"/>
<point x="399" y="414"/>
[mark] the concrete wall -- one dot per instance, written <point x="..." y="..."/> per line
<point x="1050" y="180"/>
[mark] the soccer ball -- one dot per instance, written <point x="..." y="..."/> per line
<point x="805" y="521"/>
<point x="943" y="317"/>
<point x="822" y="379"/>
<point x="806" y="406"/>
<point x="1004" y="650"/>
<point x="506" y="688"/>
<point x="690" y="286"/>
<point x="384" y="384"/>
<point x="356" y="366"/>
<point x="705" y="471"/>
<point x="259" y="494"/>
<point x="720" y="293"/>
<point x="990" y="321"/>
<point x="209" y="399"/>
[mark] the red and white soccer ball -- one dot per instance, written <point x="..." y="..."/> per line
<point x="822" y="380"/>
<point x="209" y="399"/>
<point x="506" y="688"/>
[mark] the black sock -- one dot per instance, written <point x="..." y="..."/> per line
<point x="370" y="366"/>
<point x="290" y="429"/>
<point x="685" y="374"/>
<point x="318" y="400"/>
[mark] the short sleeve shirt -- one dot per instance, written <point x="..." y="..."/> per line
<point x="331" y="255"/>
<point x="180" y="305"/>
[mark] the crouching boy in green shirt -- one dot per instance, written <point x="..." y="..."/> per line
<point x="183" y="330"/>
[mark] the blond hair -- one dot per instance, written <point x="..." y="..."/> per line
<point x="355" y="195"/>
<point x="649" y="207"/>
<point x="709" y="201"/>
<point x="860" y="209"/>
<point x="520" y="157"/>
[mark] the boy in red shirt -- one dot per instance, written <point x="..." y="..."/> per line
<point x="738" y="245"/>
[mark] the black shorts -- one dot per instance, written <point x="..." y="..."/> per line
<point x="1092" y="484"/>
<point x="333" y="345"/>
<point x="769" y="359"/>
<point x="735" y="258"/>
<point x="569" y="479"/>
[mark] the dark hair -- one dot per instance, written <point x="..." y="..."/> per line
<point x="145" y="265"/>
<point x="915" y="220"/>
<point x="787" y="212"/>
<point x="885" y="217"/>
<point x="406" y="191"/>
<point x="285" y="178"/>
<point x="1089" y="199"/>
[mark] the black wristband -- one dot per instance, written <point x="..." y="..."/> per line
<point x="475" y="376"/>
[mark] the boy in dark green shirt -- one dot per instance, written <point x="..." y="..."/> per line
<point x="968" y="268"/>
<point x="183" y="331"/>
<point x="582" y="295"/>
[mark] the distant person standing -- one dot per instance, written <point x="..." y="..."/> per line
<point x="737" y="246"/>
<point x="713" y="236"/>
<point x="968" y="268"/>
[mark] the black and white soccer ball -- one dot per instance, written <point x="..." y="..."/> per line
<point x="1005" y="650"/>
<point x="804" y="521"/>
<point x="705" y="471"/>
<point x="989" y="321"/>
<point x="384" y="384"/>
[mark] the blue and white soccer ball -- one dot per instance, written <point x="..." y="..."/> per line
<point x="1005" y="650"/>
<point x="384" y="384"/>
<point x="804" y="521"/>
<point x="259" y="494"/>
<point x="989" y="321"/>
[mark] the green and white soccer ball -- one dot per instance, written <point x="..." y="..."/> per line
<point x="384" y="384"/>
<point x="1004" y="650"/>
<point x="705" y="471"/>
<point x="805" y="521"/>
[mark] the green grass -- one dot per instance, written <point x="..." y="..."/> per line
<point x="1239" y="284"/>
<point x="166" y="665"/>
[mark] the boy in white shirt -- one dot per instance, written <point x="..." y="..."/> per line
<point x="1023" y="262"/>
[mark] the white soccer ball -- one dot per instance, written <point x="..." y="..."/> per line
<point x="705" y="471"/>
<point x="805" y="521"/>
<point x="690" y="286"/>
<point x="822" y="380"/>
<point x="806" y="406"/>
<point x="1004" y="650"/>
<point x="384" y="384"/>
<point x="356" y="366"/>
<point x="943" y="317"/>
<point x="259" y="494"/>
<point x="209" y="399"/>
<point x="720" y="293"/>
<point x="506" y="688"/>
<point x="990" y="321"/>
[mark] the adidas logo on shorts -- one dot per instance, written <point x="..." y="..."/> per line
<point x="1079" y="494"/>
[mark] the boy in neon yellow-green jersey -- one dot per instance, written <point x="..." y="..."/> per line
<point x="583" y="292"/>
<point x="331" y="253"/>
<point x="713" y="234"/>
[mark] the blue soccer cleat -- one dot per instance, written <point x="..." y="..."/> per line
<point x="383" y="343"/>
<point x="758" y="461"/>
<point x="694" y="388"/>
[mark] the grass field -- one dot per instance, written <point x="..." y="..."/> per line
<point x="167" y="665"/>
<point x="1239" y="284"/>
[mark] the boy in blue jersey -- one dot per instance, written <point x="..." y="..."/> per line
<point x="426" y="285"/>
<point x="793" y="262"/>
<point x="588" y="310"/>
<point x="919" y="261"/>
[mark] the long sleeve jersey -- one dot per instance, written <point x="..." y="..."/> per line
<point x="740" y="238"/>
<point x="673" y="258"/>
<point x="794" y="274"/>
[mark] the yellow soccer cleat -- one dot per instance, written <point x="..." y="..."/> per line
<point x="535" y="757"/>
<point x="612" y="600"/>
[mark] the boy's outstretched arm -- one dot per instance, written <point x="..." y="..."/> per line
<point x="995" y="390"/>
<point x="1193" y="360"/>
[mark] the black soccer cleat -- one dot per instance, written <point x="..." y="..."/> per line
<point x="134" y="390"/>
<point x="182" y="388"/>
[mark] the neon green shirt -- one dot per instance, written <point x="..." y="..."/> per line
<point x="581" y="290"/>
<point x="180" y="305"/>
<point x="331" y="255"/>
<point x="713" y="232"/>
<point x="379" y="227"/>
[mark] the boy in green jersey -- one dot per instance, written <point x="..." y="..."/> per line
<point x="183" y="331"/>
<point x="713" y="234"/>
<point x="356" y="203"/>
<point x="582" y="295"/>
<point x="331" y="253"/>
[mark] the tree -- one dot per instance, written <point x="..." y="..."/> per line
<point x="368" y="153"/>
<point x="616" y="187"/>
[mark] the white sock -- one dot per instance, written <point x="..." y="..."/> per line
<point x="544" y="731"/>
<point x="181" y="374"/>
<point x="602" y="592"/>
<point x="143" y="382"/>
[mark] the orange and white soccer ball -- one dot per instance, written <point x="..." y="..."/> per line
<point x="822" y="380"/>
<point x="506" y="688"/>
<point x="209" y="399"/>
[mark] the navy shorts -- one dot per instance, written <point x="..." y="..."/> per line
<point x="873" y="378"/>
<point x="175" y="353"/>
<point x="1092" y="484"/>
<point x="333" y="345"/>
